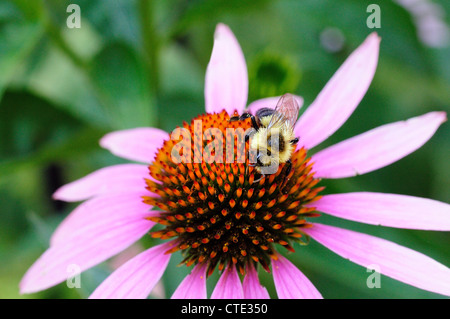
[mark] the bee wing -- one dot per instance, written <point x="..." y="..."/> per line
<point x="286" y="111"/>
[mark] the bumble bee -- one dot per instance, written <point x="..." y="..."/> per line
<point x="272" y="136"/>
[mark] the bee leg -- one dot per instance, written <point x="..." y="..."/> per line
<point x="289" y="167"/>
<point x="252" y="117"/>
<point x="288" y="171"/>
<point x="246" y="116"/>
<point x="294" y="141"/>
<point x="257" y="180"/>
<point x="249" y="134"/>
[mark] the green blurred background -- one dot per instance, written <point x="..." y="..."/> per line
<point x="142" y="63"/>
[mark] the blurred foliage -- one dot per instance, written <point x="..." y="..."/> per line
<point x="142" y="63"/>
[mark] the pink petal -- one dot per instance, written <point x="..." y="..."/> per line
<point x="268" y="102"/>
<point x="226" y="83"/>
<point x="340" y="96"/>
<point x="393" y="260"/>
<point x="388" y="210"/>
<point x="138" y="144"/>
<point x="136" y="278"/>
<point x="229" y="285"/>
<point x="376" y="148"/>
<point x="290" y="282"/>
<point x="84" y="248"/>
<point x="252" y="287"/>
<point x="101" y="214"/>
<point x="194" y="285"/>
<point x="113" y="179"/>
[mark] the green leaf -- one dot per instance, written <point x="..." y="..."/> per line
<point x="51" y="75"/>
<point x="18" y="39"/>
<point x="79" y="144"/>
<point x="119" y="77"/>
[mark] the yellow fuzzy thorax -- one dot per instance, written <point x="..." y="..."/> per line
<point x="259" y="140"/>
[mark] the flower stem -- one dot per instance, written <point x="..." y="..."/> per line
<point x="150" y="42"/>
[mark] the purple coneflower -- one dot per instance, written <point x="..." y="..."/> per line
<point x="223" y="216"/>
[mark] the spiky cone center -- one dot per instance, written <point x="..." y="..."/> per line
<point x="222" y="212"/>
